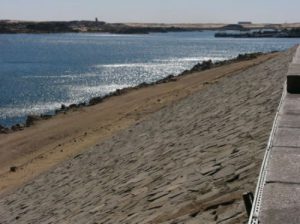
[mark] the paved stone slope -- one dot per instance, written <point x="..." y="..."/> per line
<point x="188" y="163"/>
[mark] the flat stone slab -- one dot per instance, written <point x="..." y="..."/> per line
<point x="288" y="126"/>
<point x="296" y="58"/>
<point x="281" y="204"/>
<point x="284" y="165"/>
<point x="294" y="69"/>
<point x="294" y="66"/>
<point x="296" y="61"/>
<point x="291" y="104"/>
<point x="289" y="121"/>
<point x="287" y="137"/>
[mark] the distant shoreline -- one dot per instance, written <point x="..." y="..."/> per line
<point x="32" y="27"/>
<point x="20" y="27"/>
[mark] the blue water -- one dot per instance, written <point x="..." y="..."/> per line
<point x="38" y="73"/>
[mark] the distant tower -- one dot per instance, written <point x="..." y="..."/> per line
<point x="96" y="20"/>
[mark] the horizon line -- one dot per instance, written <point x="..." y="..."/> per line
<point x="90" y="20"/>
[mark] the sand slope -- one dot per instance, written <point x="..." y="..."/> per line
<point x="189" y="162"/>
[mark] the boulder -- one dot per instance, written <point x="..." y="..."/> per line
<point x="95" y="100"/>
<point x="63" y="107"/>
<point x="3" y="130"/>
<point x="31" y="119"/>
<point x="17" y="127"/>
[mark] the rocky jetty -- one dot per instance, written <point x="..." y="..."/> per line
<point x="187" y="163"/>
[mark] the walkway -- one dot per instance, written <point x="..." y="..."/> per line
<point x="278" y="195"/>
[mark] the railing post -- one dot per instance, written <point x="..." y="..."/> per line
<point x="248" y="201"/>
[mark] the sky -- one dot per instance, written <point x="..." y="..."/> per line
<point x="156" y="11"/>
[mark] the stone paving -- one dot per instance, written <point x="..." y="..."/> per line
<point x="187" y="163"/>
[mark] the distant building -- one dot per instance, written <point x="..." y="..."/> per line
<point x="244" y="23"/>
<point x="96" y="20"/>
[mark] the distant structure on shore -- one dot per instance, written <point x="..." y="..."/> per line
<point x="244" y="23"/>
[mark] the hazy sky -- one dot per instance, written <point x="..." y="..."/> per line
<point x="198" y="11"/>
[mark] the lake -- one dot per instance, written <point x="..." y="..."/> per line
<point x="39" y="72"/>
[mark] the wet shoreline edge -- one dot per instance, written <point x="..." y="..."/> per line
<point x="201" y="66"/>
